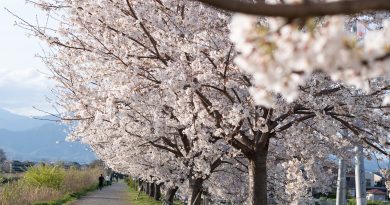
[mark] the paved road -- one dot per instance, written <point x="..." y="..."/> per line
<point x="116" y="194"/>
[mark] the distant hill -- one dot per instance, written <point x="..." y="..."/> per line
<point x="23" y="138"/>
<point x="15" y="122"/>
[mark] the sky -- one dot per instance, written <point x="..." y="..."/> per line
<point x="23" y="76"/>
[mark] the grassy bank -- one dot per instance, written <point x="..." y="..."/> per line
<point x="142" y="199"/>
<point x="49" y="185"/>
<point x="69" y="198"/>
<point x="353" y="201"/>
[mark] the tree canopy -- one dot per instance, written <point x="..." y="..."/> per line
<point x="248" y="109"/>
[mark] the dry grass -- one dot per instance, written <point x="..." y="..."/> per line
<point x="76" y="180"/>
<point x="19" y="193"/>
<point x="24" y="193"/>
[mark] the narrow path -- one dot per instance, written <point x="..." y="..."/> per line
<point x="116" y="194"/>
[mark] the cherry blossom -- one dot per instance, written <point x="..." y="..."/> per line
<point x="157" y="95"/>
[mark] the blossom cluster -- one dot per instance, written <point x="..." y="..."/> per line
<point x="282" y="55"/>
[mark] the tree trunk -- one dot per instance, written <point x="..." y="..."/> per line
<point x="157" y="192"/>
<point x="195" y="191"/>
<point x="151" y="189"/>
<point x="140" y="185"/>
<point x="257" y="190"/>
<point x="170" y="195"/>
<point x="147" y="188"/>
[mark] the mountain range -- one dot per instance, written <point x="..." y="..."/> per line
<point x="27" y="139"/>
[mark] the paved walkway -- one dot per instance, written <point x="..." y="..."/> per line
<point x="116" y="194"/>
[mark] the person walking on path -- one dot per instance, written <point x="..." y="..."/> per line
<point x="107" y="180"/>
<point x="101" y="182"/>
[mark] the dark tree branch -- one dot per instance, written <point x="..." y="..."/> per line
<point x="288" y="125"/>
<point x="184" y="139"/>
<point x="346" y="124"/>
<point x="375" y="147"/>
<point x="327" y="91"/>
<point x="220" y="90"/>
<point x="292" y="11"/>
<point x="173" y="151"/>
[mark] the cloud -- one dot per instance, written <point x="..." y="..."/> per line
<point x="23" y="89"/>
<point x="23" y="82"/>
<point x="24" y="78"/>
<point x="20" y="99"/>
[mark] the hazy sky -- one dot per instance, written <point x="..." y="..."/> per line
<point x="23" y="81"/>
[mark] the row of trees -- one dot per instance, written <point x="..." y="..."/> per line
<point x="154" y="90"/>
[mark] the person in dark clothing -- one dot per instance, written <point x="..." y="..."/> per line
<point x="101" y="182"/>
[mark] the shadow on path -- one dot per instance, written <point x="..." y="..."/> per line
<point x="116" y="194"/>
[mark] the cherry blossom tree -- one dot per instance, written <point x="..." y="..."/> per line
<point x="156" y="94"/>
<point x="285" y="50"/>
<point x="146" y="84"/>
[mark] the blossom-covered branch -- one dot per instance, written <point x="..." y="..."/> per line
<point x="300" y="10"/>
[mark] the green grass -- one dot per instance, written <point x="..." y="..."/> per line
<point x="69" y="198"/>
<point x="353" y="202"/>
<point x="143" y="199"/>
